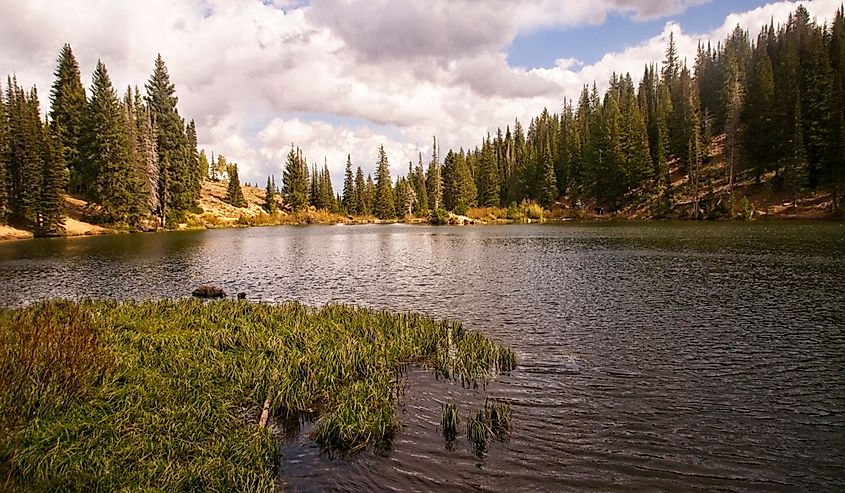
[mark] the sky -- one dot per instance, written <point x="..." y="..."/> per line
<point x="338" y="77"/>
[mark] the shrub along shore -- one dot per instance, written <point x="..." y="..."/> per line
<point x="174" y="394"/>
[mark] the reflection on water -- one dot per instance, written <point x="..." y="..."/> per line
<point x="653" y="356"/>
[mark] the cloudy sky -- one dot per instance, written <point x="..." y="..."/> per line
<point x="344" y="76"/>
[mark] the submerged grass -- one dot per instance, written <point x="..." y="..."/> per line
<point x="167" y="395"/>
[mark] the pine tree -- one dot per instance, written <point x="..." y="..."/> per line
<point x="67" y="113"/>
<point x="795" y="169"/>
<point x="734" y="97"/>
<point x="314" y="188"/>
<point x="383" y="207"/>
<point x="195" y="172"/>
<point x="24" y="158"/>
<point x="350" y="199"/>
<point x="326" y="198"/>
<point x="106" y="149"/>
<point x="487" y="182"/>
<point x="204" y="165"/>
<point x="758" y="113"/>
<point x="54" y="178"/>
<point x="295" y="180"/>
<point x="370" y="195"/>
<point x="418" y="182"/>
<point x="434" y="179"/>
<point x="174" y="151"/>
<point x="548" y="181"/>
<point x="362" y="207"/>
<point x="234" y="193"/>
<point x="270" y="196"/>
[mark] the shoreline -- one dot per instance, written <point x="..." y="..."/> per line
<point x="11" y="234"/>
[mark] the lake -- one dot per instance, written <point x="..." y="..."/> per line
<point x="673" y="356"/>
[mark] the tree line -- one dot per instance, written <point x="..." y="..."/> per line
<point x="134" y="157"/>
<point x="779" y="100"/>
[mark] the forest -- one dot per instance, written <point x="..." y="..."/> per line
<point x="776" y="104"/>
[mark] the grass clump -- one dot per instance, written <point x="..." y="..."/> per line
<point x="449" y="421"/>
<point x="494" y="420"/>
<point x="166" y="395"/>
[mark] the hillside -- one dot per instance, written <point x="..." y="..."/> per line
<point x="749" y="199"/>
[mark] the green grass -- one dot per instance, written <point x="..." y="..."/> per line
<point x="166" y="395"/>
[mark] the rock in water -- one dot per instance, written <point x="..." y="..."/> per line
<point x="241" y="296"/>
<point x="209" y="292"/>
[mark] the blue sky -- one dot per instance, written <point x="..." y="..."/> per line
<point x="588" y="43"/>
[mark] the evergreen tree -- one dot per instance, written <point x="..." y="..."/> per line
<point x="67" y="113"/>
<point x="204" y="165"/>
<point x="758" y="113"/>
<point x="795" y="169"/>
<point x="177" y="171"/>
<point x="487" y="182"/>
<point x="24" y="148"/>
<point x="383" y="206"/>
<point x="548" y="180"/>
<point x="362" y="206"/>
<point x="234" y="193"/>
<point x="54" y="177"/>
<point x="326" y="192"/>
<point x="434" y="179"/>
<point x="370" y="195"/>
<point x="734" y="96"/>
<point x="106" y="149"/>
<point x="418" y="182"/>
<point x="270" y="196"/>
<point x="314" y="188"/>
<point x="350" y="199"/>
<point x="195" y="173"/>
<point x="295" y="180"/>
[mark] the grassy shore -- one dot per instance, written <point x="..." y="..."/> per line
<point x="167" y="395"/>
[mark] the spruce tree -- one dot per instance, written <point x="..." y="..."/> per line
<point x="383" y="207"/>
<point x="270" y="196"/>
<point x="370" y="195"/>
<point x="325" y="191"/>
<point x="548" y="181"/>
<point x="434" y="179"/>
<point x="234" y="193"/>
<point x="758" y="113"/>
<point x="204" y="165"/>
<point x="295" y="180"/>
<point x="106" y="149"/>
<point x="350" y="200"/>
<point x="173" y="147"/>
<point x="194" y="166"/>
<point x="361" y="205"/>
<point x="487" y="182"/>
<point x="54" y="178"/>
<point x="25" y="155"/>
<point x="67" y="113"/>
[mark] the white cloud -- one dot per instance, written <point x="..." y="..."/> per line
<point x="339" y="76"/>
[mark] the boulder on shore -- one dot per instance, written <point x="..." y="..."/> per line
<point x="209" y="292"/>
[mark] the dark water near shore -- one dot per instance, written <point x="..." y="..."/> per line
<point x="652" y="356"/>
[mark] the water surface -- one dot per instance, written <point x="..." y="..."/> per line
<point x="652" y="356"/>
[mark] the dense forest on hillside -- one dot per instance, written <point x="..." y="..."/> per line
<point x="776" y="105"/>
<point x="778" y="100"/>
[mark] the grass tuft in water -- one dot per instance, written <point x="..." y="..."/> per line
<point x="167" y="395"/>
<point x="449" y="422"/>
<point x="499" y="416"/>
